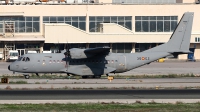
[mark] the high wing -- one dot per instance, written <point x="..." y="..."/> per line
<point x="77" y="53"/>
<point x="98" y="50"/>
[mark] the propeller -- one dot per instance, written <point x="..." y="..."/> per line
<point x="59" y="51"/>
<point x="67" y="53"/>
<point x="67" y="56"/>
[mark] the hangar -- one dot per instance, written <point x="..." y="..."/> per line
<point x="127" y="26"/>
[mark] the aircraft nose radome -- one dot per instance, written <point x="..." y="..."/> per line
<point x="9" y="67"/>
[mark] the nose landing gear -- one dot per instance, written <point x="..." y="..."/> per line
<point x="26" y="76"/>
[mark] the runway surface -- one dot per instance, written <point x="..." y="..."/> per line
<point x="97" y="94"/>
<point x="151" y="69"/>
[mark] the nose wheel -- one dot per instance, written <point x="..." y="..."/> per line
<point x="26" y="76"/>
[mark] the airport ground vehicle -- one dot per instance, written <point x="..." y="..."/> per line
<point x="1" y="55"/>
<point x="12" y="55"/>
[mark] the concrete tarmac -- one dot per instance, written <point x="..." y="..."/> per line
<point x="148" y="83"/>
<point x="154" y="68"/>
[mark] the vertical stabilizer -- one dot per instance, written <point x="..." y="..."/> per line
<point x="180" y="39"/>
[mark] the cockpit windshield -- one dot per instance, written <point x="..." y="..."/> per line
<point x="27" y="59"/>
<point x="23" y="59"/>
<point x="19" y="59"/>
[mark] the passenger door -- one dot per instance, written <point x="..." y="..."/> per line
<point x="121" y="63"/>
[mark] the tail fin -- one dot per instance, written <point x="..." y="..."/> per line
<point x="180" y="39"/>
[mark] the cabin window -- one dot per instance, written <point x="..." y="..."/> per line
<point x="112" y="61"/>
<point x="38" y="61"/>
<point x="49" y="61"/>
<point x="58" y="61"/>
<point x="54" y="61"/>
<point x="115" y="60"/>
<point x="108" y="61"/>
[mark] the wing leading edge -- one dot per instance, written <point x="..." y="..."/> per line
<point x="98" y="50"/>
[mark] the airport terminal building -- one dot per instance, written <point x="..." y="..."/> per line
<point x="126" y="26"/>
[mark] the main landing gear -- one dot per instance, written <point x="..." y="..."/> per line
<point x="91" y="76"/>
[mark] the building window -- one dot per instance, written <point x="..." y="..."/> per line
<point x="155" y="23"/>
<point x="121" y="47"/>
<point x="94" y="45"/>
<point x="76" y="21"/>
<point x="94" y="21"/>
<point x="1" y="27"/>
<point x="20" y="24"/>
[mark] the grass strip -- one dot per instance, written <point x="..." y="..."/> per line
<point x="100" y="107"/>
<point x="61" y="76"/>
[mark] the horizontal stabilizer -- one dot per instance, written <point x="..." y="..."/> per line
<point x="181" y="52"/>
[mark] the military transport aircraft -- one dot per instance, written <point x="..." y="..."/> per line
<point x="94" y="62"/>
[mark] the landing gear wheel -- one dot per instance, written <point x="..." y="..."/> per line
<point x="97" y="76"/>
<point x="26" y="76"/>
<point x="84" y="77"/>
<point x="91" y="76"/>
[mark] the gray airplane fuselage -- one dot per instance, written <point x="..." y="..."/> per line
<point x="98" y="65"/>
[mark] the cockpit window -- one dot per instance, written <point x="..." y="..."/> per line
<point x="27" y="59"/>
<point x="19" y="59"/>
<point x="24" y="59"/>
